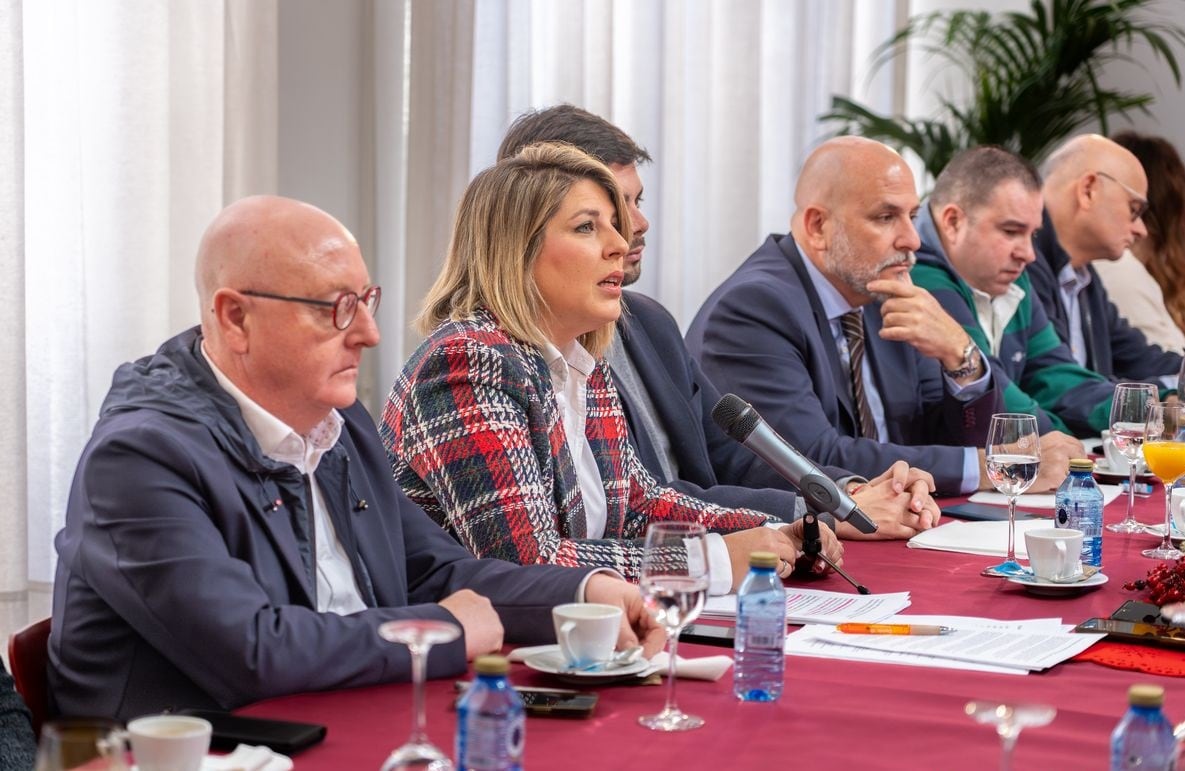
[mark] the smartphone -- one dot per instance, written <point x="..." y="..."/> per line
<point x="1136" y="631"/>
<point x="284" y="736"/>
<point x="1135" y="610"/>
<point x="548" y="702"/>
<point x="981" y="511"/>
<point x="705" y="634"/>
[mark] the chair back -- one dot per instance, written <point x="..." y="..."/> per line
<point x="28" y="655"/>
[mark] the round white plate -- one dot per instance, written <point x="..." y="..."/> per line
<point x="1104" y="468"/>
<point x="1043" y="586"/>
<point x="1158" y="531"/>
<point x="552" y="662"/>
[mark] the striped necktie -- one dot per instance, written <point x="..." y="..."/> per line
<point x="852" y="323"/>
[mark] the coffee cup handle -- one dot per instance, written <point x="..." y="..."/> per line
<point x="1062" y="563"/>
<point x="115" y="745"/>
<point x="565" y="644"/>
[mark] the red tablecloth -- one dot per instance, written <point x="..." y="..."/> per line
<point x="833" y="714"/>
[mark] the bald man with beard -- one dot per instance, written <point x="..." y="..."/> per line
<point x="233" y="532"/>
<point x="1095" y="197"/>
<point x="783" y="330"/>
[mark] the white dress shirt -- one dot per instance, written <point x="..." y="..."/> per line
<point x="570" y="369"/>
<point x="337" y="591"/>
<point x="994" y="313"/>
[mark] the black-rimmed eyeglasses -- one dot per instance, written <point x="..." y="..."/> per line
<point x="345" y="307"/>
<point x="1138" y="203"/>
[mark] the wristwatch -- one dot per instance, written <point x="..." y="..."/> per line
<point x="970" y="362"/>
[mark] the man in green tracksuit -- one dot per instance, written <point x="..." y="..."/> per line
<point x="977" y="237"/>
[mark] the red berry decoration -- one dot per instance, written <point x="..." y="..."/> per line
<point x="1165" y="583"/>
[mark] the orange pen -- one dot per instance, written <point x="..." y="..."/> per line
<point x="893" y="629"/>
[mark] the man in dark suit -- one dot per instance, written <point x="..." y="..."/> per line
<point x="1095" y="197"/>
<point x="666" y="397"/>
<point x="824" y="333"/>
<point x="234" y="533"/>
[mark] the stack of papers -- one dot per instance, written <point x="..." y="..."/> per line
<point x="986" y="538"/>
<point x="810" y="606"/>
<point x="978" y="644"/>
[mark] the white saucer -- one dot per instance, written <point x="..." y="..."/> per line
<point x="1158" y="531"/>
<point x="553" y="663"/>
<point x="1044" y="586"/>
<point x="1104" y="467"/>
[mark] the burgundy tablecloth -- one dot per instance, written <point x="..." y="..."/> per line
<point x="833" y="714"/>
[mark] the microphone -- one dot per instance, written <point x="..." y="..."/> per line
<point x="738" y="419"/>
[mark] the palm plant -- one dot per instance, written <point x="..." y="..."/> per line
<point x="1034" y="78"/>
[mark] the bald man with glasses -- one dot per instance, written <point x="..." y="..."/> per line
<point x="233" y="532"/>
<point x="1095" y="198"/>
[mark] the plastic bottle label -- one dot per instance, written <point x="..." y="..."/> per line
<point x="491" y="740"/>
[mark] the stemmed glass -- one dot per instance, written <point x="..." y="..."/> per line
<point x="81" y="743"/>
<point x="1164" y="452"/>
<point x="419" y="635"/>
<point x="674" y="586"/>
<point x="1009" y="720"/>
<point x="1129" y="410"/>
<point x="1013" y="455"/>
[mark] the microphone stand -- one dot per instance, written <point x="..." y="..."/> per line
<point x="812" y="546"/>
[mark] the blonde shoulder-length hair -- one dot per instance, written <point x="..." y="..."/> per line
<point x="498" y="233"/>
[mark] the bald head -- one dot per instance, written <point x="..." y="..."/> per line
<point x="1091" y="153"/>
<point x="854" y="205"/>
<point x="257" y="241"/>
<point x="1094" y="191"/>
<point x="270" y="274"/>
<point x="842" y="164"/>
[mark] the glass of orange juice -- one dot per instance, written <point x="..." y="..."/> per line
<point x="1164" y="452"/>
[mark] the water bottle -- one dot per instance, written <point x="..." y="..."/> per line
<point x="1144" y="737"/>
<point x="1079" y="504"/>
<point x="491" y="724"/>
<point x="759" y="647"/>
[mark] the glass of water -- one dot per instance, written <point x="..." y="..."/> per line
<point x="1013" y="456"/>
<point x="674" y="586"/>
<point x="1129" y="410"/>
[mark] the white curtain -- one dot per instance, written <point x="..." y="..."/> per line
<point x="126" y="124"/>
<point x="126" y="127"/>
<point x="723" y="94"/>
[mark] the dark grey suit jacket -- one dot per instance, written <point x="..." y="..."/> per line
<point x="711" y="465"/>
<point x="763" y="335"/>
<point x="185" y="578"/>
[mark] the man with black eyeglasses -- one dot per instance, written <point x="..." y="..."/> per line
<point x="234" y="533"/>
<point x="1095" y="197"/>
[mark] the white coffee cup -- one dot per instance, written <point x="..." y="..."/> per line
<point x="1117" y="461"/>
<point x="586" y="632"/>
<point x="1177" y="508"/>
<point x="1055" y="554"/>
<point x="169" y="742"/>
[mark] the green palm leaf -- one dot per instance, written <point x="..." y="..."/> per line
<point x="1033" y="76"/>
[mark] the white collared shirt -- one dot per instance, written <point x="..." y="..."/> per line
<point x="1071" y="281"/>
<point x="570" y="370"/>
<point x="994" y="313"/>
<point x="337" y="589"/>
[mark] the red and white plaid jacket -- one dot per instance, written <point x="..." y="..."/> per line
<point x="476" y="438"/>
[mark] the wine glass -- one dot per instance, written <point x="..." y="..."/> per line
<point x="1164" y="452"/>
<point x="419" y="635"/>
<point x="77" y="743"/>
<point x="674" y="586"/>
<point x="1129" y="409"/>
<point x="1013" y="455"/>
<point x="1009" y="720"/>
